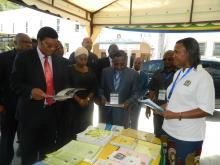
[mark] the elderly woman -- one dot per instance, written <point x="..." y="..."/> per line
<point x="191" y="98"/>
<point x="81" y="107"/>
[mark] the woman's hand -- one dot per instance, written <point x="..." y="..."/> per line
<point x="170" y="115"/>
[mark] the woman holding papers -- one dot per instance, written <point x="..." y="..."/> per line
<point x="79" y="116"/>
<point x="191" y="98"/>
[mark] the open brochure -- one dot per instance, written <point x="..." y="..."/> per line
<point x="151" y="104"/>
<point x="65" y="94"/>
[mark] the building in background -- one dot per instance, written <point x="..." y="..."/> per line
<point x="71" y="34"/>
<point x="29" y="21"/>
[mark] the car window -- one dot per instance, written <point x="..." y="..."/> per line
<point x="152" y="66"/>
<point x="212" y="67"/>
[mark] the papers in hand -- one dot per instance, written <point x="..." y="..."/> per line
<point x="114" y="105"/>
<point x="65" y="94"/>
<point x="151" y="104"/>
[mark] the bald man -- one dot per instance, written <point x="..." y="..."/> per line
<point x="92" y="58"/>
<point x="8" y="100"/>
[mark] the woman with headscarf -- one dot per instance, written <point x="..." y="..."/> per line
<point x="80" y="111"/>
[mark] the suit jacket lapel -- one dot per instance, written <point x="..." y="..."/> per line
<point x="111" y="81"/>
<point x="39" y="67"/>
<point x="54" y="66"/>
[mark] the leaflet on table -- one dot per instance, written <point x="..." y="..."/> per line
<point x="141" y="135"/>
<point x="129" y="157"/>
<point x="88" y="152"/>
<point x="65" y="94"/>
<point x="151" y="104"/>
<point x="94" y="135"/>
<point x="150" y="149"/>
<point x="124" y="141"/>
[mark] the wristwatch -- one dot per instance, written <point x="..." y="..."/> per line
<point x="180" y="116"/>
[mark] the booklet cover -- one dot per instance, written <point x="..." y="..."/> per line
<point x="124" y="141"/>
<point x="94" y="135"/>
<point x="107" y="150"/>
<point x="116" y="130"/>
<point x="65" y="157"/>
<point x="88" y="152"/>
<point x="141" y="135"/>
<point x="151" y="104"/>
<point x="65" y="94"/>
<point x="129" y="157"/>
<point x="151" y="150"/>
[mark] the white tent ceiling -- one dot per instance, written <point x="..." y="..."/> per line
<point x="131" y="12"/>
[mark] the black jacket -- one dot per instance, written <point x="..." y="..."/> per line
<point x="7" y="97"/>
<point x="28" y="74"/>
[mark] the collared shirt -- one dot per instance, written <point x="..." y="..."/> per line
<point x="42" y="59"/>
<point x="195" y="90"/>
<point x="110" y="60"/>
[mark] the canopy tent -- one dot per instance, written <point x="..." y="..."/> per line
<point x="153" y="15"/>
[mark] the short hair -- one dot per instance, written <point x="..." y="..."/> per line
<point x="192" y="49"/>
<point x="33" y="40"/>
<point x="169" y="52"/>
<point x="120" y="53"/>
<point x="47" y="32"/>
<point x="112" y="47"/>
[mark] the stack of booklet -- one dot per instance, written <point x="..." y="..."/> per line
<point x="73" y="153"/>
<point x="116" y="130"/>
<point x="98" y="146"/>
<point x="94" y="135"/>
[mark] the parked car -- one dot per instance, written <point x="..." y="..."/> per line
<point x="213" y="67"/>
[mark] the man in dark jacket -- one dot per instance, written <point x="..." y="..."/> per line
<point x="8" y="99"/>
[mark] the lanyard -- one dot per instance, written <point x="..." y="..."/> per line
<point x="175" y="82"/>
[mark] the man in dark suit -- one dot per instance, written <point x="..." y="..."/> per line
<point x="8" y="100"/>
<point x="122" y="82"/>
<point x="92" y="58"/>
<point x="106" y="61"/>
<point x="37" y="74"/>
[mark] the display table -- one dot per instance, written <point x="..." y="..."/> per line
<point x="138" y="142"/>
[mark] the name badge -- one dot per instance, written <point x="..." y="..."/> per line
<point x="114" y="98"/>
<point x="162" y="95"/>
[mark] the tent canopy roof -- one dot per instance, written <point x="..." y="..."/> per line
<point x="131" y="12"/>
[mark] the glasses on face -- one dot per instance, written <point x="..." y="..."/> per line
<point x="50" y="45"/>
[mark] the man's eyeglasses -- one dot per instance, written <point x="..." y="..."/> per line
<point x="50" y="46"/>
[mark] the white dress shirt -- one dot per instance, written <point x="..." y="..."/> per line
<point x="42" y="59"/>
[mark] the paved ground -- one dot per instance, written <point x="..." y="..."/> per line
<point x="211" y="147"/>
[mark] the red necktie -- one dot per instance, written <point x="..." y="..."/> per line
<point x="49" y="81"/>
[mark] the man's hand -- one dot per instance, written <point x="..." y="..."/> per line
<point x="170" y="115"/>
<point x="125" y="105"/>
<point x="103" y="101"/>
<point x="37" y="94"/>
<point x="2" y="109"/>
<point x="83" y="103"/>
<point x="148" y="112"/>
